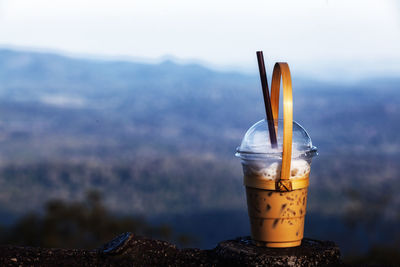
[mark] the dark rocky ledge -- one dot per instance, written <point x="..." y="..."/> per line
<point x="130" y="250"/>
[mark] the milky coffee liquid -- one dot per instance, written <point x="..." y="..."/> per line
<point x="277" y="218"/>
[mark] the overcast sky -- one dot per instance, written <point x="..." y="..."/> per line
<point x="325" y="38"/>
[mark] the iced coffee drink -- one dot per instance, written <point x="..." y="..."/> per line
<point x="276" y="216"/>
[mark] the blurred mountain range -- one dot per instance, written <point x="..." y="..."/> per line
<point x="159" y="139"/>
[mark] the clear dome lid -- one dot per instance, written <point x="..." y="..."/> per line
<point x="256" y="142"/>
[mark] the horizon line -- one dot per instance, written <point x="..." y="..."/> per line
<point x="232" y="68"/>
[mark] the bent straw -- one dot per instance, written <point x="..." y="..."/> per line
<point x="267" y="100"/>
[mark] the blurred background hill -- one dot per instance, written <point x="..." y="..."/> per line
<point x="158" y="141"/>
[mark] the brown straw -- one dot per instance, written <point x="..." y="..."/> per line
<point x="267" y="100"/>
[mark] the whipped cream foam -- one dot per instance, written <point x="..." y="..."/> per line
<point x="298" y="169"/>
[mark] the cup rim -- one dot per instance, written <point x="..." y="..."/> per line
<point x="276" y="155"/>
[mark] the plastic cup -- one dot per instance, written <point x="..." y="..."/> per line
<point x="276" y="217"/>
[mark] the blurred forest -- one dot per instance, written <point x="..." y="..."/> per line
<point x="158" y="142"/>
<point x="86" y="224"/>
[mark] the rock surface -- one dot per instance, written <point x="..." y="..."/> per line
<point x="242" y="252"/>
<point x="130" y="250"/>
